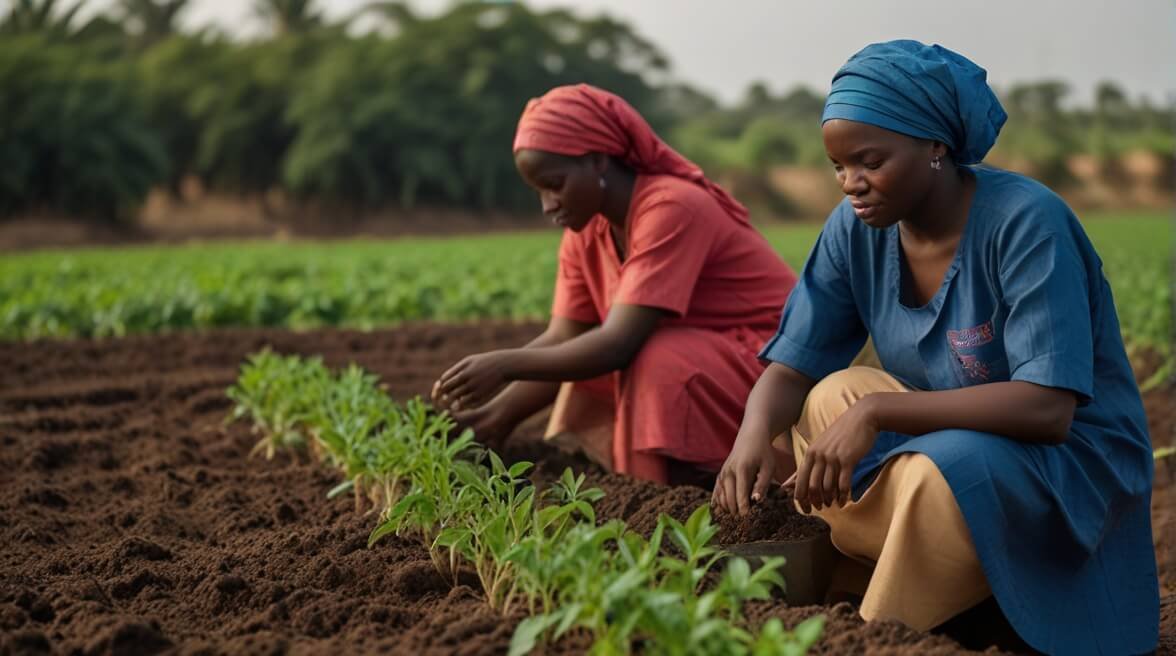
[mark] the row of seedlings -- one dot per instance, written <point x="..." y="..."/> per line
<point x="544" y="552"/>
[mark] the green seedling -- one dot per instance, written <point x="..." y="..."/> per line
<point x="280" y="394"/>
<point x="352" y="412"/>
<point x="775" y="640"/>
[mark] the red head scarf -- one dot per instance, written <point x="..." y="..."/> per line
<point x="580" y="119"/>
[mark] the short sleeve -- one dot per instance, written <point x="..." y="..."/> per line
<point x="572" y="298"/>
<point x="668" y="247"/>
<point x="1048" y="335"/>
<point x="820" y="330"/>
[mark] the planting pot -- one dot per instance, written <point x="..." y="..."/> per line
<point x="808" y="565"/>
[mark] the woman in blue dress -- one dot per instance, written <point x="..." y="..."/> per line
<point x="1002" y="448"/>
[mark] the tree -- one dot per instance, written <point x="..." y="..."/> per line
<point x="288" y="16"/>
<point x="151" y="21"/>
<point x="74" y="139"/>
<point x="428" y="116"/>
<point x="41" y="17"/>
<point x="1039" y="131"/>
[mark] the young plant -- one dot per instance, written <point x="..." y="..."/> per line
<point x="775" y="640"/>
<point x="540" y="556"/>
<point x="592" y="587"/>
<point x="280" y="394"/>
<point x="351" y="413"/>
<point x="435" y="499"/>
<point x="506" y="504"/>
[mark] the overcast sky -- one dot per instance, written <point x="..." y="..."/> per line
<point x="724" y="46"/>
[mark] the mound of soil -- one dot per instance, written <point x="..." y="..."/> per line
<point x="774" y="519"/>
<point x="134" y="523"/>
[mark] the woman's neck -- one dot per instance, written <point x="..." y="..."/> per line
<point x="619" y="182"/>
<point x="944" y="213"/>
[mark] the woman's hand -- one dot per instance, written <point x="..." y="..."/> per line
<point x="825" y="475"/>
<point x="746" y="474"/>
<point x="488" y="425"/>
<point x="473" y="381"/>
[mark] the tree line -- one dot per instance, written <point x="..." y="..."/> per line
<point x="389" y="108"/>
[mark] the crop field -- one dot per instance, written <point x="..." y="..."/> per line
<point x="270" y="486"/>
<point x="368" y="284"/>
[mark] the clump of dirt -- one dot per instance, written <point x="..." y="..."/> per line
<point x="775" y="519"/>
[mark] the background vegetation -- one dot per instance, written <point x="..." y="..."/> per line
<point x="387" y="108"/>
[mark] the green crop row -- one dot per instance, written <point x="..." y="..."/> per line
<point x="674" y="592"/>
<point x="365" y="285"/>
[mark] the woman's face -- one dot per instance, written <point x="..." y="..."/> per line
<point x="569" y="187"/>
<point x="886" y="175"/>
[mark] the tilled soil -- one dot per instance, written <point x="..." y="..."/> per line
<point x="133" y="521"/>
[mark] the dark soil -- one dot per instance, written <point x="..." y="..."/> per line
<point x="133" y="522"/>
<point x="774" y="518"/>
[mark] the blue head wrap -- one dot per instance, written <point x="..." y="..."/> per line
<point x="923" y="91"/>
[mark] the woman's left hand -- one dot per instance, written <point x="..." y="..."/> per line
<point x="825" y="476"/>
<point x="475" y="379"/>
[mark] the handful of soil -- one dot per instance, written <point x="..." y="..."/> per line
<point x="774" y="518"/>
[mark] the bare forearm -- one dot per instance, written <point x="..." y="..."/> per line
<point x="775" y="402"/>
<point x="593" y="353"/>
<point x="521" y="399"/>
<point x="590" y="355"/>
<point x="1022" y="411"/>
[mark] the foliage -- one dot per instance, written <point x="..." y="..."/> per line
<point x="427" y="117"/>
<point x="422" y="115"/>
<point x="74" y="139"/>
<point x="540" y="549"/>
<point x="44" y="17"/>
<point x="389" y="107"/>
<point x="102" y="293"/>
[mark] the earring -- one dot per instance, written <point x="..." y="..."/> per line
<point x="603" y="184"/>
<point x="936" y="163"/>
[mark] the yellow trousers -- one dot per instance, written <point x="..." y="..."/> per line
<point x="906" y="528"/>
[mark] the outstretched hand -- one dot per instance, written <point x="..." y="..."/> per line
<point x="472" y="381"/>
<point x="485" y="420"/>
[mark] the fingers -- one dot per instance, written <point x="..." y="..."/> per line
<point x="829" y="484"/>
<point x="816" y="482"/>
<point x="717" y="499"/>
<point x="802" y="482"/>
<point x="729" y="493"/>
<point x="845" y="486"/>
<point x="442" y="401"/>
<point x="743" y="484"/>
<point x="451" y="378"/>
<point x="466" y="392"/>
<point x="762" y="480"/>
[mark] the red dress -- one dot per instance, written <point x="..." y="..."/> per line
<point x="683" y="396"/>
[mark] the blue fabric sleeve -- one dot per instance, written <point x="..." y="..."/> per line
<point x="1048" y="335"/>
<point x="821" y="330"/>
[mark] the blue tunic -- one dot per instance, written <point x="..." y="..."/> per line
<point x="1063" y="532"/>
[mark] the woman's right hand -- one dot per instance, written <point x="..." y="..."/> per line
<point x="746" y="474"/>
<point x="487" y="422"/>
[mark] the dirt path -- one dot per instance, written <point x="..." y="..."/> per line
<point x="133" y="522"/>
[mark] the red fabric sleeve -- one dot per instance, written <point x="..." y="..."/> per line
<point x="572" y="299"/>
<point x="668" y="245"/>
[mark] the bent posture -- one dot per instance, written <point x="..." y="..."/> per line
<point x="665" y="294"/>
<point x="1002" y="447"/>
